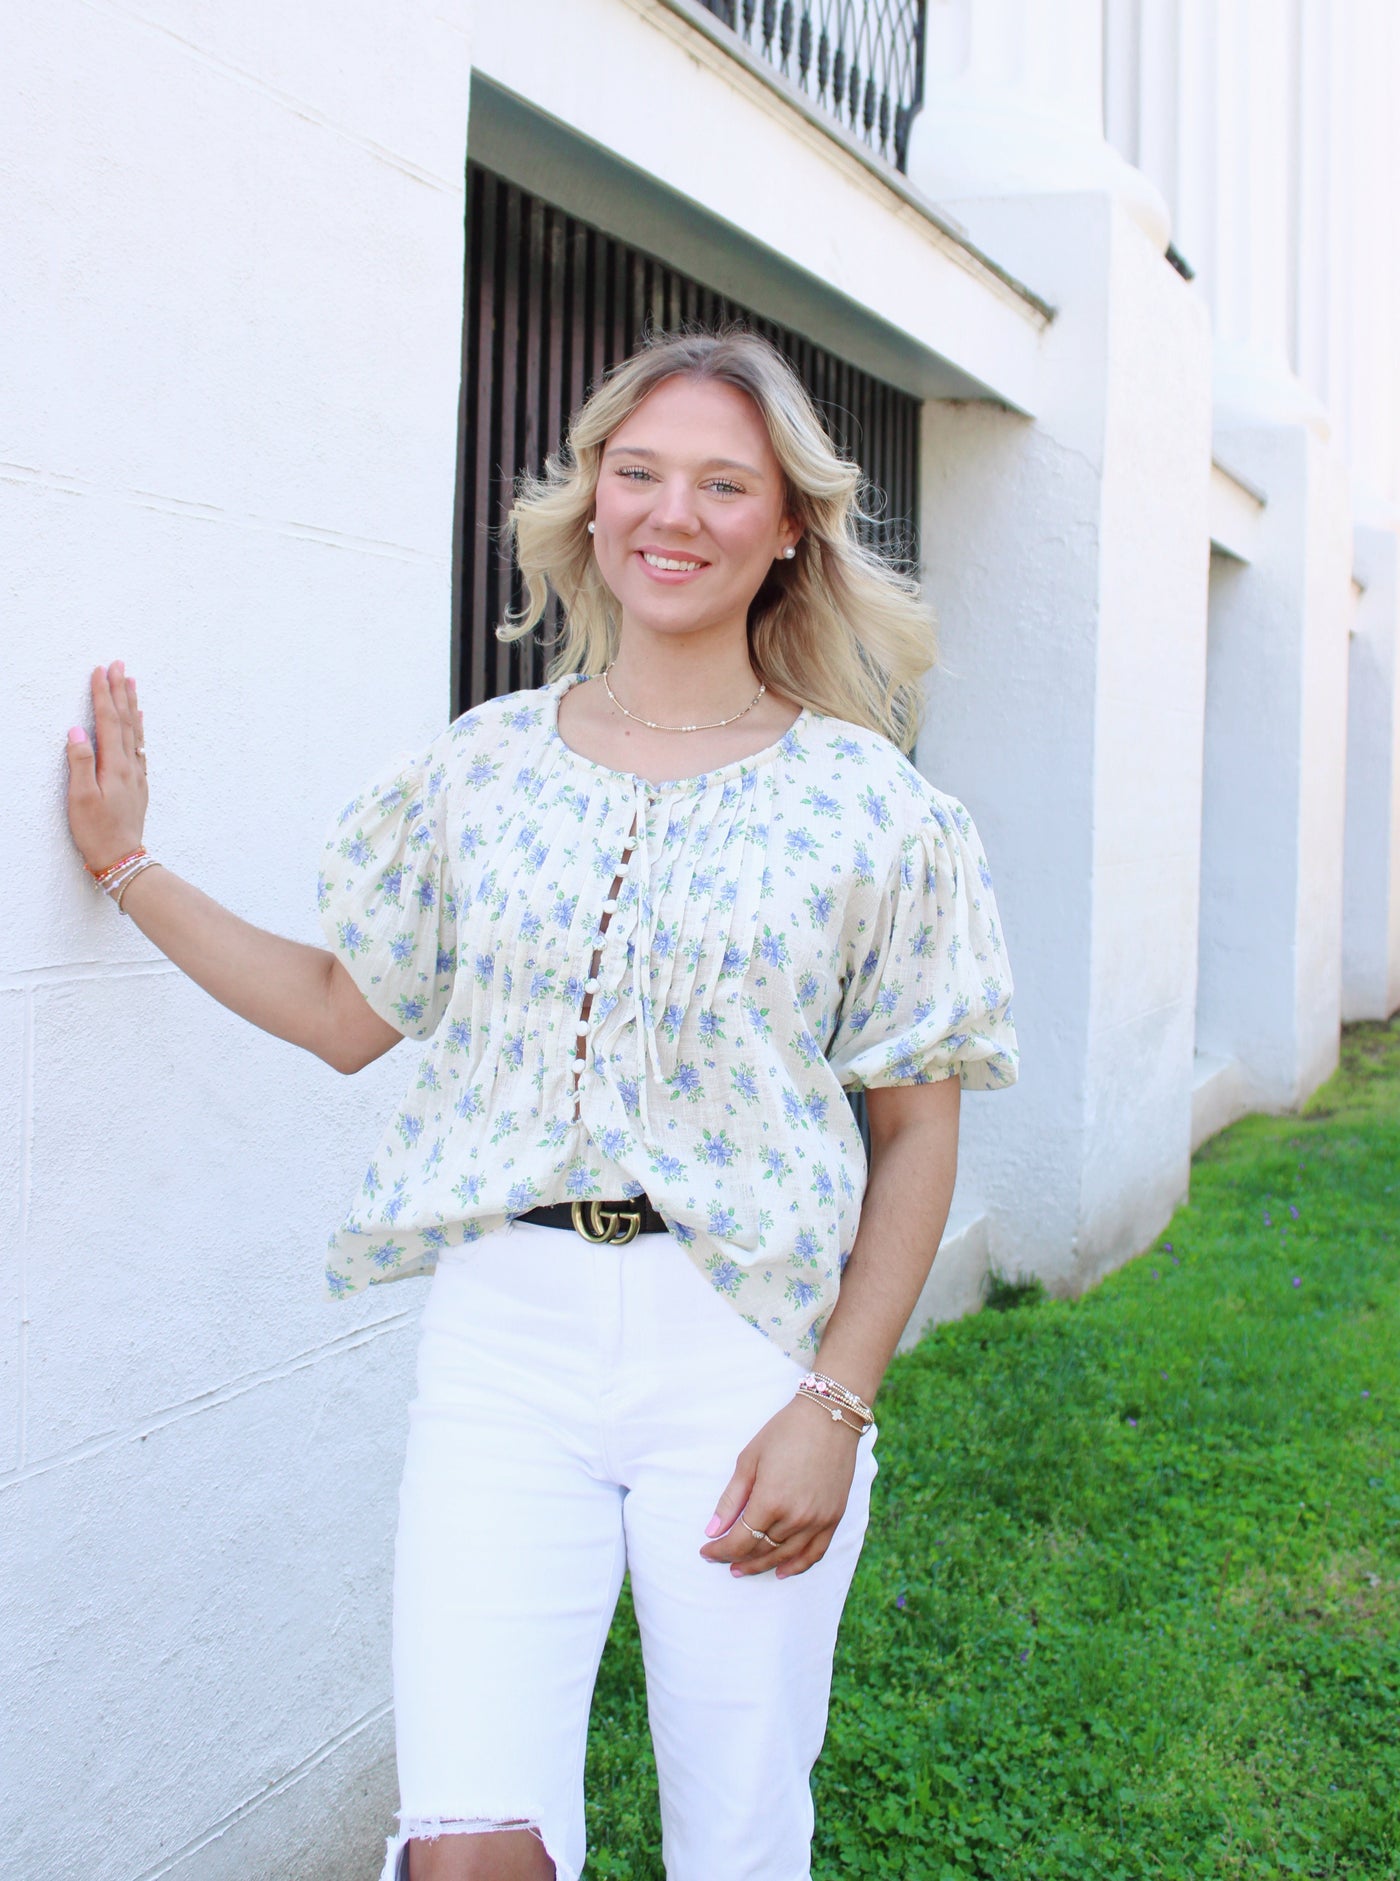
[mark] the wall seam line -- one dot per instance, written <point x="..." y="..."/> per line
<point x="308" y="113"/>
<point x="205" y="1401"/>
<point x="288" y="1781"/>
<point x="23" y="979"/>
<point x="61" y="483"/>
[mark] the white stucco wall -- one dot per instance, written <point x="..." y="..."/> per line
<point x="1371" y="913"/>
<point x="1153" y="544"/>
<point x="233" y="312"/>
<point x="1275" y="774"/>
<point x="1067" y="559"/>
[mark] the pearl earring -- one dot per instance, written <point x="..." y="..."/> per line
<point x="789" y="552"/>
<point x="591" y="528"/>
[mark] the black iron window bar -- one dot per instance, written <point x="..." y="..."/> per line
<point x="860" y="60"/>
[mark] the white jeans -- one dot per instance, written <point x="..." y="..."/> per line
<point x="579" y="1410"/>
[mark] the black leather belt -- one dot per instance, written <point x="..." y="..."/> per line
<point x="600" y="1221"/>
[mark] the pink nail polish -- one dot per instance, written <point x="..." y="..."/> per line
<point x="712" y="1526"/>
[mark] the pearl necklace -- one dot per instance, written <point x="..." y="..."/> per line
<point x="763" y="687"/>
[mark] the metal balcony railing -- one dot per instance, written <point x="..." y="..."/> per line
<point x="860" y="60"/>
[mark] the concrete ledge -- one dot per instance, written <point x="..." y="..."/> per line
<point x="1219" y="1096"/>
<point x="954" y="1285"/>
<point x="1235" y="507"/>
<point x="875" y="275"/>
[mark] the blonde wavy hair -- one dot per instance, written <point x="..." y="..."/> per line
<point x="838" y="629"/>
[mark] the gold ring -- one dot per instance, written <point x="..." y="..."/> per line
<point x="759" y="1535"/>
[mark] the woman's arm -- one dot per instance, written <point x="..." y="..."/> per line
<point x="794" y="1479"/>
<point x="913" y="1164"/>
<point x="296" y="992"/>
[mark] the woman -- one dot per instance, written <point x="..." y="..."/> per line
<point x="648" y="920"/>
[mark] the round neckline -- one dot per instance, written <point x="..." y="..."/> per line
<point x="717" y="773"/>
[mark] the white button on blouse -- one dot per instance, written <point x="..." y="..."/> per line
<point x="813" y="919"/>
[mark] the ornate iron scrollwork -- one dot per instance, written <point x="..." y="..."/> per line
<point x="869" y="66"/>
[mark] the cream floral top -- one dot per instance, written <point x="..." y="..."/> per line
<point x="622" y="986"/>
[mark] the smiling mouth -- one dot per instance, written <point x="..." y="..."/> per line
<point x="671" y="564"/>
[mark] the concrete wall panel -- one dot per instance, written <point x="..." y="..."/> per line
<point x="1068" y="562"/>
<point x="14" y="1157"/>
<point x="1248" y="870"/>
<point x="239" y="1556"/>
<point x="1009" y="730"/>
<point x="275" y="674"/>
<point x="1147" y="796"/>
<point x="1371" y="929"/>
<point x="1274" y="812"/>
<point x="1330" y="604"/>
<point x="233" y="312"/>
<point x="1139" y="1117"/>
<point x="399" y="96"/>
<point x="214" y="334"/>
<point x="167" y="1259"/>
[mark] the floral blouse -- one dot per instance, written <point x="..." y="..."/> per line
<point x="625" y="987"/>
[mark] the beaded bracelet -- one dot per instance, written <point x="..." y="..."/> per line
<point x="146" y="862"/>
<point x="835" y="1412"/>
<point x="837" y="1392"/>
<point x="103" y="876"/>
<point x="118" y="876"/>
<point x="113" y="884"/>
<point x="836" y="1399"/>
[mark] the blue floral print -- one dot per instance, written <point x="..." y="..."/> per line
<point x="816" y="918"/>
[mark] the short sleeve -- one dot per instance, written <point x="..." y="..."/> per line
<point x="931" y="995"/>
<point x="386" y="898"/>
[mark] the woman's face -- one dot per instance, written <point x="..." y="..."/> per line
<point x="689" y="511"/>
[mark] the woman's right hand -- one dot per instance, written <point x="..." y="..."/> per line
<point x="107" y="793"/>
<point x="299" y="993"/>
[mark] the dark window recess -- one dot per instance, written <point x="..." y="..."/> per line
<point x="551" y="303"/>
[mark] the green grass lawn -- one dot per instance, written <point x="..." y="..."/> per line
<point x="1128" y="1605"/>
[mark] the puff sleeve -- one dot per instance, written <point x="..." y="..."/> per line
<point x="931" y="995"/>
<point x="386" y="897"/>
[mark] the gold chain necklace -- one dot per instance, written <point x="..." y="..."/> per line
<point x="763" y="687"/>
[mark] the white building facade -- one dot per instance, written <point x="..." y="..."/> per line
<point x="1125" y="293"/>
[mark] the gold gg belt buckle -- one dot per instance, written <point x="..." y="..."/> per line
<point x="606" y="1224"/>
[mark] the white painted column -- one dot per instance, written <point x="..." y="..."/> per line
<point x="1214" y="104"/>
<point x="1260" y="95"/>
<point x="1244" y="116"/>
<point x="1013" y="105"/>
<point x="1365" y="314"/>
<point x="1275" y="767"/>
<point x="1371" y="310"/>
<point x="1067" y="557"/>
<point x="1371" y="907"/>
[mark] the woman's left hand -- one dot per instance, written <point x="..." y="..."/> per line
<point x="791" y="1483"/>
